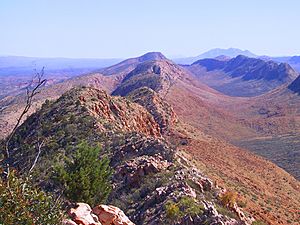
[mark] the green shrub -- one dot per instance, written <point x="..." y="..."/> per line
<point x="189" y="206"/>
<point x="185" y="206"/>
<point x="22" y="203"/>
<point x="172" y="210"/>
<point x="85" y="177"/>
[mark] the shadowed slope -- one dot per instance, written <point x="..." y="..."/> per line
<point x="295" y="86"/>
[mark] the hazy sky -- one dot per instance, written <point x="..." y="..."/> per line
<point x="125" y="28"/>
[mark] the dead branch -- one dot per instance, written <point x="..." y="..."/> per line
<point x="39" y="147"/>
<point x="39" y="80"/>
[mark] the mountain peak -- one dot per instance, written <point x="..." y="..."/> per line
<point x="152" y="56"/>
<point x="230" y="52"/>
<point x="242" y="57"/>
<point x="213" y="53"/>
<point x="127" y="65"/>
<point x="156" y="75"/>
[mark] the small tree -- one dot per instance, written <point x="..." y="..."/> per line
<point x="85" y="177"/>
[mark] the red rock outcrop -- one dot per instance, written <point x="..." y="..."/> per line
<point x="110" y="215"/>
<point x="82" y="214"/>
<point x="117" y="113"/>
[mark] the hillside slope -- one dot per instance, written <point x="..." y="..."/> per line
<point x="258" y="124"/>
<point x="275" y="117"/>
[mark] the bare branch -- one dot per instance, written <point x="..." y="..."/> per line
<point x="30" y="94"/>
<point x="39" y="146"/>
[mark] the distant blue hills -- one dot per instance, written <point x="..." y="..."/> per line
<point x="20" y="65"/>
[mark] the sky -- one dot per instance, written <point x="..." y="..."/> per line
<point x="127" y="28"/>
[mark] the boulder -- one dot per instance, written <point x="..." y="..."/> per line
<point x="110" y="215"/>
<point x="82" y="214"/>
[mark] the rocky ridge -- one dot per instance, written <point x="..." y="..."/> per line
<point x="120" y="114"/>
<point x="149" y="179"/>
<point x="161" y="111"/>
<point x="149" y="175"/>
<point x="105" y="79"/>
<point x="127" y="65"/>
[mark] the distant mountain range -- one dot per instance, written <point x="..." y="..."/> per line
<point x="16" y="72"/>
<point x="213" y="53"/>
<point x="243" y="76"/>
<point x="222" y="54"/>
<point x="55" y="63"/>
<point x="294" y="61"/>
<point x="54" y="67"/>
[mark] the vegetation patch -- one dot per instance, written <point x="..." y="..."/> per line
<point x="23" y="203"/>
<point x="85" y="177"/>
<point x="185" y="206"/>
